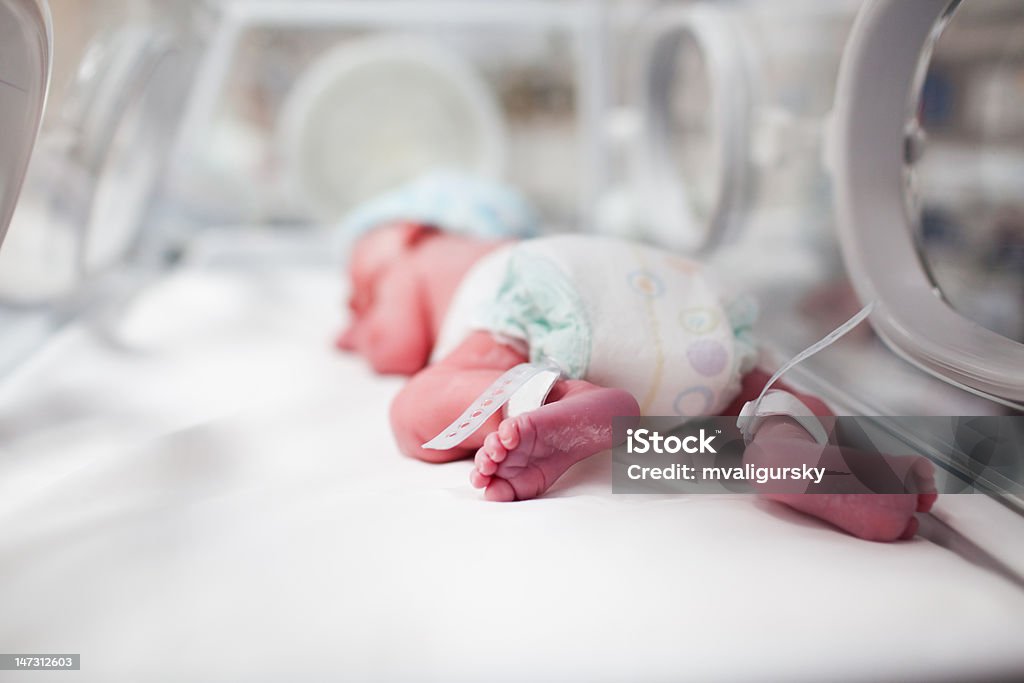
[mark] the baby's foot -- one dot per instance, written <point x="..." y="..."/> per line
<point x="527" y="453"/>
<point x="518" y="462"/>
<point x="872" y="516"/>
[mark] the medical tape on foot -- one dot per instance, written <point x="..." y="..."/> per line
<point x="514" y="388"/>
<point x="782" y="402"/>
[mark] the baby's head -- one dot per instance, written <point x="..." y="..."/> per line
<point x="374" y="254"/>
<point x="388" y="324"/>
<point x="378" y="260"/>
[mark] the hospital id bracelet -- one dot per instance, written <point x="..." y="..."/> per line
<point x="779" y="403"/>
<point x="523" y="388"/>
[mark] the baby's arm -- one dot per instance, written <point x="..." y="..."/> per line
<point x="438" y="394"/>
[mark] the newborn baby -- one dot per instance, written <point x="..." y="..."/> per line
<point x="635" y="331"/>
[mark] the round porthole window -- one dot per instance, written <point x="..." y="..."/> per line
<point x="734" y="100"/>
<point x="96" y="165"/>
<point x="25" y="54"/>
<point x="694" y="165"/>
<point x="965" y="163"/>
<point x="929" y="154"/>
<point x="374" y="113"/>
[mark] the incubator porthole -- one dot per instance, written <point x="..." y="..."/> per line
<point x="691" y="130"/>
<point x="25" y="52"/>
<point x="695" y="130"/>
<point x="965" y="161"/>
<point x="96" y="166"/>
<point x="735" y="100"/>
<point x="375" y="112"/>
<point x="134" y="150"/>
<point x="925" y="147"/>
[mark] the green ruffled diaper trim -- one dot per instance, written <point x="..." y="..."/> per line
<point x="742" y="313"/>
<point x="538" y="303"/>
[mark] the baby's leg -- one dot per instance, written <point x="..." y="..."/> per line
<point x="438" y="394"/>
<point x="852" y="505"/>
<point x="524" y="456"/>
<point x="877" y="517"/>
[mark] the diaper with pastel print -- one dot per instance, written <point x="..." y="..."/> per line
<point x="626" y="315"/>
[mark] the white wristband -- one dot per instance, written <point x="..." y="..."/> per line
<point x="783" y="403"/>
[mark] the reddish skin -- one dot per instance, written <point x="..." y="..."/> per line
<point x="399" y="295"/>
<point x="403" y="277"/>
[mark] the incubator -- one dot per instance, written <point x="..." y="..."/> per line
<point x="756" y="147"/>
<point x="734" y="99"/>
<point x="25" y="36"/>
<point x="170" y="281"/>
<point x="969" y="118"/>
<point x="302" y="110"/>
<point x="101" y="151"/>
<point x="938" y="243"/>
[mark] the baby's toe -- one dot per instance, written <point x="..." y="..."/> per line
<point x="910" y="530"/>
<point x="477" y="480"/>
<point x="484" y="464"/>
<point x="508" y="434"/>
<point x="924" y="473"/>
<point x="500" y="491"/>
<point x="496" y="449"/>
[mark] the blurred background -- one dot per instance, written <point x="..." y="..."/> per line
<point x="244" y="130"/>
<point x="172" y="412"/>
<point x="700" y="126"/>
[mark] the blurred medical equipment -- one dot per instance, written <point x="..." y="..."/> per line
<point x="335" y="101"/>
<point x="966" y="164"/>
<point x="99" y="157"/>
<point x="712" y="119"/>
<point x="170" y="271"/>
<point x="25" y="54"/>
<point x="734" y="98"/>
<point x="406" y="103"/>
<point x="710" y="122"/>
<point x="886" y="187"/>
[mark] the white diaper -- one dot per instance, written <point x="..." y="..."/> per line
<point x="613" y="312"/>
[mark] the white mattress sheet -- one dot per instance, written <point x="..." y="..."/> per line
<point x="209" y="492"/>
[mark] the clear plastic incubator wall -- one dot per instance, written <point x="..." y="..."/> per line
<point x="762" y="136"/>
<point x="708" y="127"/>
